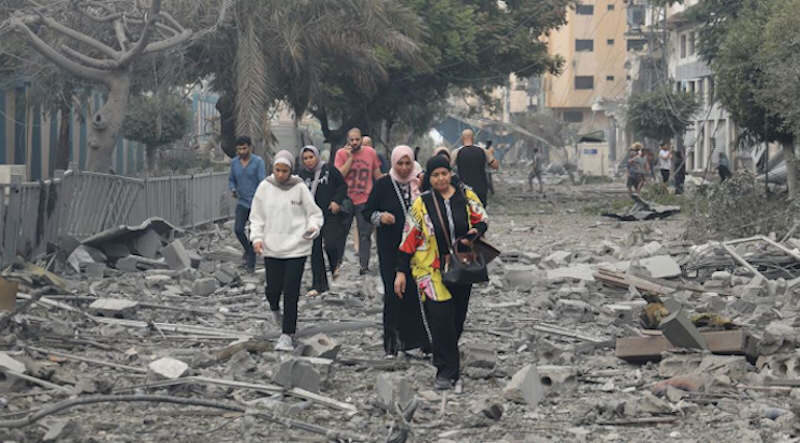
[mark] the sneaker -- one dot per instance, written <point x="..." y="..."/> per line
<point x="443" y="384"/>
<point x="312" y="293"/>
<point x="335" y="272"/>
<point x="285" y="343"/>
<point x="389" y="357"/>
<point x="458" y="387"/>
<point x="276" y="315"/>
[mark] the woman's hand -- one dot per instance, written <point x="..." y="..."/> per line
<point x="310" y="233"/>
<point x="258" y="247"/>
<point x="400" y="284"/>
<point x="334" y="207"/>
<point x="387" y="219"/>
<point x="471" y="236"/>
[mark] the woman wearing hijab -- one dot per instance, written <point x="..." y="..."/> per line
<point x="443" y="152"/>
<point x="329" y="190"/>
<point x="284" y="221"/>
<point x="423" y="250"/>
<point x="386" y="208"/>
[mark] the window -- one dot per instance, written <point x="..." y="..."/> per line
<point x="636" y="45"/>
<point x="611" y="7"/>
<point x="584" y="45"/>
<point x="636" y="14"/>
<point x="584" y="82"/>
<point x="610" y="78"/>
<point x="692" y="37"/>
<point x="700" y="88"/>
<point x="683" y="45"/>
<point x="610" y="42"/>
<point x="584" y="9"/>
<point x="573" y="116"/>
<point x="691" y="88"/>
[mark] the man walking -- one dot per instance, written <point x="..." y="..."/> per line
<point x="536" y="171"/>
<point x="247" y="171"/>
<point x="471" y="162"/>
<point x="360" y="167"/>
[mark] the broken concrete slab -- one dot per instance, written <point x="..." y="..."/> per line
<point x="578" y="272"/>
<point x="660" y="266"/>
<point x="577" y="310"/>
<point x="480" y="355"/>
<point x="115" y="251"/>
<point x="525" y="387"/>
<point x="650" y="348"/>
<point x="147" y="243"/>
<point x="176" y="256"/>
<point x="522" y="276"/>
<point x="557" y="378"/>
<point x="319" y="345"/>
<point x="79" y="258"/>
<point x="128" y="264"/>
<point x="226" y="274"/>
<point x="126" y="234"/>
<point x="169" y="368"/>
<point x="557" y="259"/>
<point x="294" y="373"/>
<point x="7" y="362"/>
<point x="95" y="270"/>
<point x="680" y="331"/>
<point x="204" y="287"/>
<point x="113" y="307"/>
<point x="393" y="389"/>
<point x="488" y="408"/>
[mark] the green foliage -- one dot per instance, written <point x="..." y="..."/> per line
<point x="781" y="64"/>
<point x="156" y="120"/>
<point x="715" y="18"/>
<point x="661" y="114"/>
<point x="737" y="208"/>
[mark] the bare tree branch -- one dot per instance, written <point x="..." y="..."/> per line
<point x="169" y="18"/>
<point x="54" y="56"/>
<point x="168" y="43"/>
<point x="89" y="61"/>
<point x="150" y="19"/>
<point x="69" y="32"/>
<point x="122" y="37"/>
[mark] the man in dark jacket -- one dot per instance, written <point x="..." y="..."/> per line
<point x="471" y="162"/>
<point x="329" y="190"/>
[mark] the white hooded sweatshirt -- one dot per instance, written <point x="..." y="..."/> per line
<point x="281" y="214"/>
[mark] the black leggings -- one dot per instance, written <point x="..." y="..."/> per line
<point x="283" y="277"/>
<point x="665" y="175"/>
<point x="320" y="276"/>
<point x="446" y="321"/>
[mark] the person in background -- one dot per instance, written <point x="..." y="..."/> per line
<point x="680" y="170"/>
<point x="360" y="167"/>
<point x="386" y="208"/>
<point x="536" y="171"/>
<point x="424" y="248"/>
<point x="665" y="162"/>
<point x="329" y="190"/>
<point x="247" y="171"/>
<point x="471" y="162"/>
<point x="637" y="169"/>
<point x="284" y="221"/>
<point x="367" y="141"/>
<point x="724" y="167"/>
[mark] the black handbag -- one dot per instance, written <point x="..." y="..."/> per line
<point x="461" y="268"/>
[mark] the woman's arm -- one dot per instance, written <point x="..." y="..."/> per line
<point x="257" y="219"/>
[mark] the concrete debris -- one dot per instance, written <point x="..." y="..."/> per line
<point x="321" y="346"/>
<point x="169" y="368"/>
<point x="6" y="362"/>
<point x="204" y="287"/>
<point x="113" y="307"/>
<point x="294" y="373"/>
<point x="479" y="355"/>
<point x="393" y="390"/>
<point x="525" y="387"/>
<point x="176" y="256"/>
<point x="681" y="332"/>
<point x="488" y="408"/>
<point x="660" y="266"/>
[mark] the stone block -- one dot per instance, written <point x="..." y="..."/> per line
<point x="321" y="346"/>
<point x="128" y="264"/>
<point x="204" y="287"/>
<point x="480" y="355"/>
<point x="11" y="364"/>
<point x="622" y="314"/>
<point x="293" y="373"/>
<point x="557" y="259"/>
<point x="681" y="333"/>
<point x="226" y="274"/>
<point x="113" y="307"/>
<point x="207" y="266"/>
<point x="661" y="266"/>
<point x="147" y="243"/>
<point x="391" y="389"/>
<point x="169" y="368"/>
<point x="578" y="310"/>
<point x="557" y="378"/>
<point x="521" y="276"/>
<point x="176" y="256"/>
<point x="525" y="387"/>
<point x="95" y="270"/>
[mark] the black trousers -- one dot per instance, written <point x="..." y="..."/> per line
<point x="446" y="321"/>
<point x="318" y="271"/>
<point x="365" y="230"/>
<point x="283" y="277"/>
<point x="724" y="173"/>
<point x="665" y="175"/>
<point x="242" y="215"/>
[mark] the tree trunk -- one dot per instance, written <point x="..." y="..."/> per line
<point x="227" y="124"/>
<point x="791" y="169"/>
<point x="251" y="87"/>
<point x="151" y="152"/>
<point x="106" y="123"/>
<point x="63" y="151"/>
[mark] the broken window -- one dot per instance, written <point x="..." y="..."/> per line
<point x="584" y="45"/>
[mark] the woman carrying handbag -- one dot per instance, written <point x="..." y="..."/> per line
<point x="442" y="225"/>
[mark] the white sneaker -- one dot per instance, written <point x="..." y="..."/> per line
<point x="276" y="315"/>
<point x="285" y="343"/>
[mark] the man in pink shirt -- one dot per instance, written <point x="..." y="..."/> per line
<point x="360" y="167"/>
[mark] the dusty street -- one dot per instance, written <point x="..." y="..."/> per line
<point x="527" y="315"/>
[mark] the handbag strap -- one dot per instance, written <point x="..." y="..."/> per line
<point x="445" y="228"/>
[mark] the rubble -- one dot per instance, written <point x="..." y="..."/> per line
<point x="525" y="387"/>
<point x="168" y="368"/>
<point x="294" y="373"/>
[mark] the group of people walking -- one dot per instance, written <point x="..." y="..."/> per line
<point x="641" y="164"/>
<point x="421" y="218"/>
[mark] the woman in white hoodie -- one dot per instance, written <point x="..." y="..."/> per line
<point x="284" y="220"/>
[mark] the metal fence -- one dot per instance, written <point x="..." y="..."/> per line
<point x="81" y="204"/>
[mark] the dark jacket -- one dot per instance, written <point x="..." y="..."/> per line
<point x="331" y="187"/>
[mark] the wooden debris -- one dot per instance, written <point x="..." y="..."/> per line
<point x="641" y="349"/>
